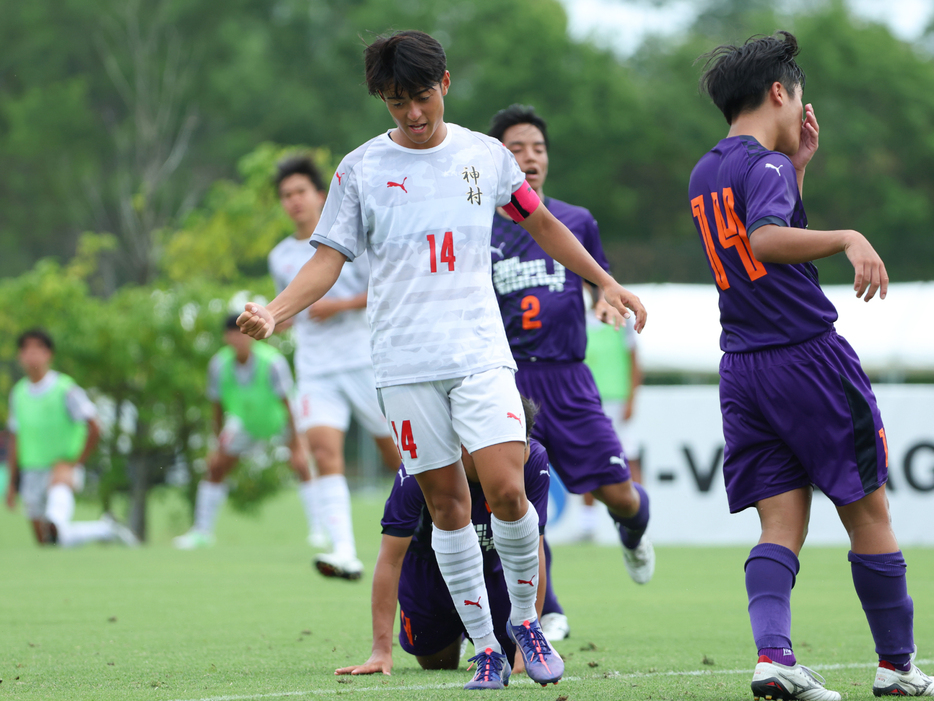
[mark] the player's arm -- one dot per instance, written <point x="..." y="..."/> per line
<point x="635" y="381"/>
<point x="386" y="576"/>
<point x="784" y="244"/>
<point x="559" y="243"/>
<point x="327" y="307"/>
<point x="94" y="436"/>
<point x="315" y="278"/>
<point x="218" y="423"/>
<point x="13" y="468"/>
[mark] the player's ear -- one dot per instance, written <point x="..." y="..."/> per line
<point x="446" y="83"/>
<point x="777" y="94"/>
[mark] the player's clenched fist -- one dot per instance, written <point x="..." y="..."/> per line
<point x="256" y="321"/>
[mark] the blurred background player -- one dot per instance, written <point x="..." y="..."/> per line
<point x="249" y="384"/>
<point x="543" y="311"/>
<point x="407" y="570"/>
<point x="611" y="357"/>
<point x="419" y="200"/>
<point x="333" y="365"/>
<point x="798" y="410"/>
<point x="53" y="430"/>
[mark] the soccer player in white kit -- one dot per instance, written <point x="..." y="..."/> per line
<point x="332" y="361"/>
<point x="420" y="200"/>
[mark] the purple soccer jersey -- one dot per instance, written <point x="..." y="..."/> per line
<point x="736" y="188"/>
<point x="429" y="621"/>
<point x="540" y="300"/>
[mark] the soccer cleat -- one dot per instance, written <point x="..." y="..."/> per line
<point x="193" y="540"/>
<point x="555" y="626"/>
<point x="493" y="671"/>
<point x="121" y="532"/>
<point x="542" y="663"/>
<point x="773" y="681"/>
<point x="334" y="565"/>
<point x="640" y="561"/>
<point x="892" y="682"/>
<point x="318" y="539"/>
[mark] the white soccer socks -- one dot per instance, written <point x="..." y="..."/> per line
<point x="308" y="495"/>
<point x="333" y="501"/>
<point x="60" y="510"/>
<point x="208" y="503"/>
<point x="517" y="545"/>
<point x="461" y="563"/>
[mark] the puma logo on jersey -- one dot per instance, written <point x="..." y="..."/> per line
<point x="499" y="249"/>
<point x="617" y="460"/>
<point x="468" y="602"/>
<point x="777" y="169"/>
<point x="543" y="472"/>
<point x="339" y="176"/>
<point x="510" y="415"/>
<point x="400" y="185"/>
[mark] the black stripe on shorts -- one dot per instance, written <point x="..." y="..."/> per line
<point x="864" y="437"/>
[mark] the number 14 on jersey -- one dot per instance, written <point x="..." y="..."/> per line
<point x="447" y="251"/>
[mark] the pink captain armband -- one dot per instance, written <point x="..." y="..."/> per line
<point x="524" y="201"/>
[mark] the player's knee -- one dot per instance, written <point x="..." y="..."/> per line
<point x="509" y="503"/>
<point x="328" y="460"/>
<point x="448" y="512"/>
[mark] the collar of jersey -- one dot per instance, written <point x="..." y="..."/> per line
<point x="43" y="385"/>
<point x="418" y="151"/>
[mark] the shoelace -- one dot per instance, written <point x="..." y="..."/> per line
<point x="488" y="663"/>
<point x="533" y="636"/>
<point x="813" y="675"/>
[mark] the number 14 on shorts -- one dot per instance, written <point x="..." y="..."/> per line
<point x="407" y="442"/>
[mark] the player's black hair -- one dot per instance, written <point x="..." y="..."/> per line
<point x="531" y="411"/>
<point x="408" y="61"/>
<point x="35" y="334"/>
<point x="737" y="78"/>
<point x="298" y="165"/>
<point x="513" y="115"/>
<point x="230" y="323"/>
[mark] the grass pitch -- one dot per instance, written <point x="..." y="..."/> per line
<point x="250" y="619"/>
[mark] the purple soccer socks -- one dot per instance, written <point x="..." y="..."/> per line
<point x="633" y="528"/>
<point x="882" y="588"/>
<point x="770" y="577"/>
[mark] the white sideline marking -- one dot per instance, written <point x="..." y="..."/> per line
<point x="612" y="675"/>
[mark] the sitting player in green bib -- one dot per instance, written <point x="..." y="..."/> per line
<point x="249" y="384"/>
<point x="53" y="430"/>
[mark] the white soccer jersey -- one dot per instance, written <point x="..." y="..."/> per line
<point x="424" y="217"/>
<point x="339" y="343"/>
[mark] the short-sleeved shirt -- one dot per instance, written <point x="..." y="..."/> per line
<point x="280" y="375"/>
<point x="80" y="407"/>
<point x="406" y="513"/>
<point x="540" y="300"/>
<point x="339" y="343"/>
<point x="736" y="188"/>
<point x="424" y="217"/>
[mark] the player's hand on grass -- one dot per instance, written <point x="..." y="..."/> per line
<point x="325" y="309"/>
<point x="807" y="147"/>
<point x="378" y="662"/>
<point x="256" y="321"/>
<point x="870" y="270"/>
<point x="626" y="303"/>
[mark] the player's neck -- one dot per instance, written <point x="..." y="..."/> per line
<point x="399" y="137"/>
<point x="304" y="230"/>
<point x="243" y="358"/>
<point x="36" y="375"/>
<point x="753" y="125"/>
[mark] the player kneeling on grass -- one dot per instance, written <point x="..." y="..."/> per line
<point x="430" y="627"/>
<point x="53" y="430"/>
<point x="420" y="200"/>
<point x="249" y="384"/>
<point x="798" y="410"/>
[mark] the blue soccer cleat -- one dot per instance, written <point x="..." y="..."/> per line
<point x="542" y="663"/>
<point x="493" y="671"/>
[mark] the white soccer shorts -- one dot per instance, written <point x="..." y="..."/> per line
<point x="329" y="400"/>
<point x="627" y="435"/>
<point x="34" y="487"/>
<point x="431" y="420"/>
<point x="236" y="440"/>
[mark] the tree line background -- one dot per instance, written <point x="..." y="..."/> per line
<point x="138" y="140"/>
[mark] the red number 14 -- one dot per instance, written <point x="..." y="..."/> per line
<point x="447" y="251"/>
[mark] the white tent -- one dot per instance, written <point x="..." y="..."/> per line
<point x="893" y="337"/>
